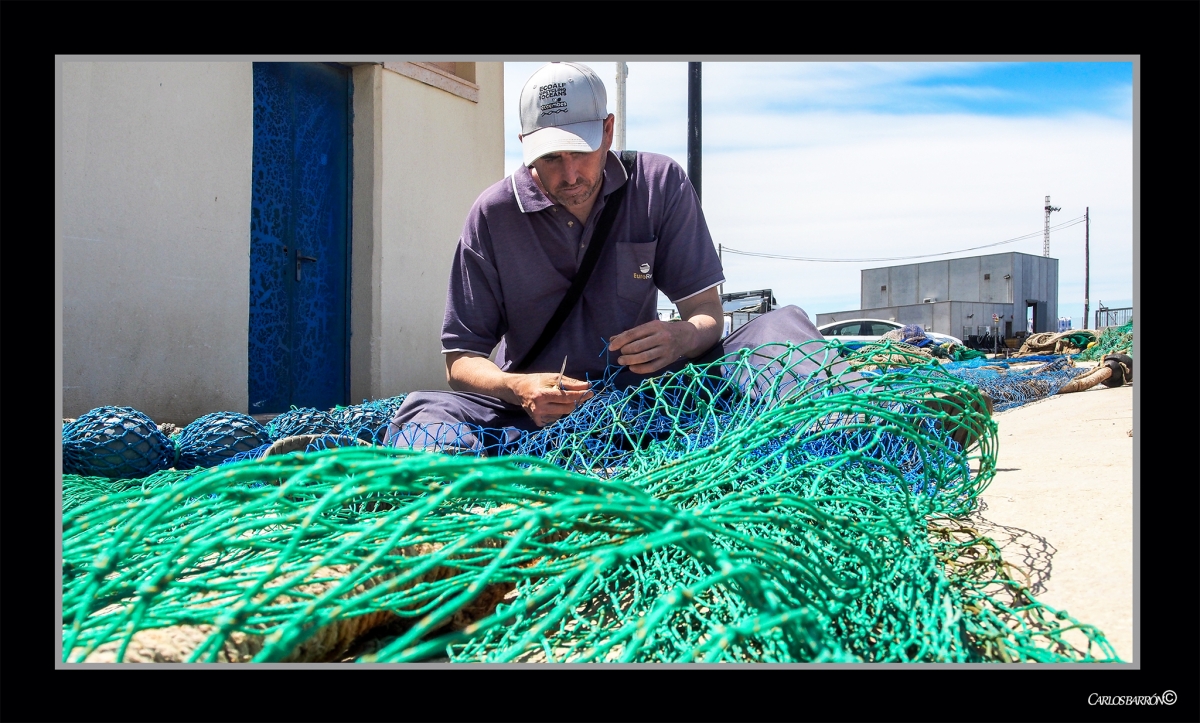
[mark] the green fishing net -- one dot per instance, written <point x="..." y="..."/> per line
<point x="784" y="504"/>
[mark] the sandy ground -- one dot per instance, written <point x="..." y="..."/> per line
<point x="1061" y="505"/>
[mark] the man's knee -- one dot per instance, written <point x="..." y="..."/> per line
<point x="413" y="405"/>
<point x="419" y="409"/>
<point x="793" y="320"/>
<point x="787" y="324"/>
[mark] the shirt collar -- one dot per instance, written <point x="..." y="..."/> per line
<point x="530" y="198"/>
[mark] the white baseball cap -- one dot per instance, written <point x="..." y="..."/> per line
<point x="563" y="108"/>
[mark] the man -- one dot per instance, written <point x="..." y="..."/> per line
<point x="522" y="246"/>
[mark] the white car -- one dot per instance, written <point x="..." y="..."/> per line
<point x="872" y="330"/>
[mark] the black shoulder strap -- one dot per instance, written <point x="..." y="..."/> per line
<point x="603" y="226"/>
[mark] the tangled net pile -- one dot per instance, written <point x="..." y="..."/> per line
<point x="783" y="504"/>
<point x="1113" y="340"/>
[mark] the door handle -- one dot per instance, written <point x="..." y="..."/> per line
<point x="299" y="260"/>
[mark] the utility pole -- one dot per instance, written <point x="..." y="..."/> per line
<point x="693" y="140"/>
<point x="1046" y="237"/>
<point x="619" y="130"/>
<point x="1087" y="230"/>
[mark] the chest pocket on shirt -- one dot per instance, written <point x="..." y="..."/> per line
<point x="635" y="270"/>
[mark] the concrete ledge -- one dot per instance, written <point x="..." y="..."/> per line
<point x="438" y="78"/>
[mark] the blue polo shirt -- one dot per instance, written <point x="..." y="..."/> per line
<point x="519" y="252"/>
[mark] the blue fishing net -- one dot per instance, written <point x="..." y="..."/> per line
<point x="1009" y="388"/>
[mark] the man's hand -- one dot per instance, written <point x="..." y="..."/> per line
<point x="544" y="402"/>
<point x="647" y="348"/>
<point x="538" y="394"/>
<point x="653" y="345"/>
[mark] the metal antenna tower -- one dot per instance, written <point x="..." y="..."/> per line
<point x="1046" y="236"/>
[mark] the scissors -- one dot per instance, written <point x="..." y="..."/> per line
<point x="560" y="375"/>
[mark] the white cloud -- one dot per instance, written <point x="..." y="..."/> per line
<point x="899" y="186"/>
<point x="758" y="86"/>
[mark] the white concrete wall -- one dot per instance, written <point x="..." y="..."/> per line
<point x="437" y="152"/>
<point x="156" y="222"/>
<point x="366" y="235"/>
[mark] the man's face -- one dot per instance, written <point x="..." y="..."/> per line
<point x="572" y="179"/>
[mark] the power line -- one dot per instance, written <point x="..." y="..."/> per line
<point x="1064" y="224"/>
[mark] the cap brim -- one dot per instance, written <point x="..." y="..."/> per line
<point x="583" y="137"/>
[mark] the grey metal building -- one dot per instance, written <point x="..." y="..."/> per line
<point x="959" y="296"/>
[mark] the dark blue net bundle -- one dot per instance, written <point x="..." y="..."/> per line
<point x="217" y="437"/>
<point x="115" y="442"/>
<point x="1034" y="358"/>
<point x="1001" y="363"/>
<point x="691" y="408"/>
<point x="303" y="421"/>
<point x="1009" y="387"/>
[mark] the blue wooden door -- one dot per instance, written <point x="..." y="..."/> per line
<point x="299" y="233"/>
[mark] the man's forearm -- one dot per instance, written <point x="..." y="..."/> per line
<point x="472" y="373"/>
<point x="546" y="397"/>
<point x="708" y="331"/>
<point x="706" y="318"/>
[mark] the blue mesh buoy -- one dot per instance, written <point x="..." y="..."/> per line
<point x="115" y="442"/>
<point x="302" y="421"/>
<point x="214" y="438"/>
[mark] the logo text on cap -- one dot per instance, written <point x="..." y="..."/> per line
<point x="553" y="93"/>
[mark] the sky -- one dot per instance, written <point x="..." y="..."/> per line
<point x="867" y="160"/>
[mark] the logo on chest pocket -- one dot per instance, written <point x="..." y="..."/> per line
<point x="635" y="271"/>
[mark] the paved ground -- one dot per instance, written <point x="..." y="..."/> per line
<point x="1061" y="505"/>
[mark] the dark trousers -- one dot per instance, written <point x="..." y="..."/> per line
<point x="437" y="419"/>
